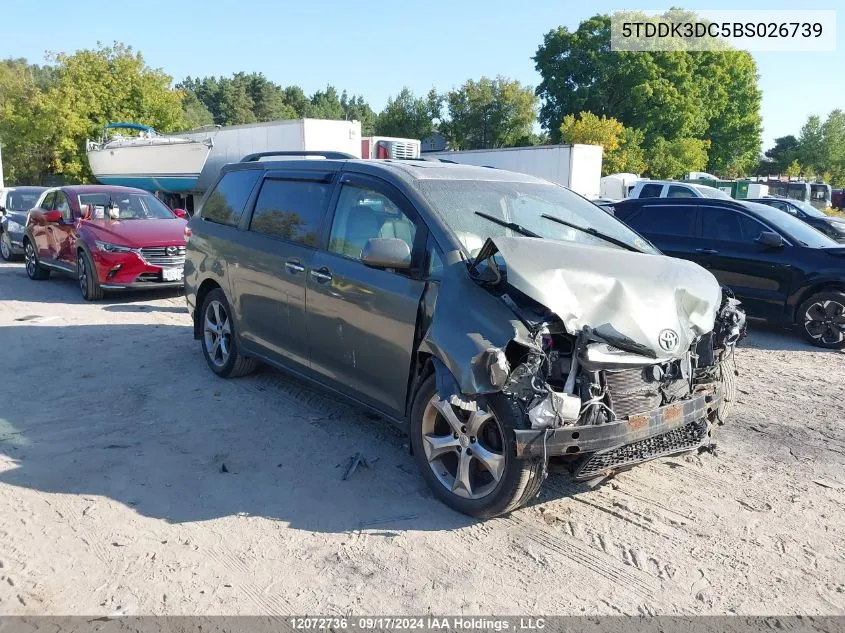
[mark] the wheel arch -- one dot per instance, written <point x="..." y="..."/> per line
<point x="205" y="287"/>
<point x="809" y="291"/>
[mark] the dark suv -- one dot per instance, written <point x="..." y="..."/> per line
<point x="833" y="227"/>
<point x="502" y="319"/>
<point x="783" y="270"/>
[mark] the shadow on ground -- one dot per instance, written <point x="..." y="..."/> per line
<point x="63" y="288"/>
<point x="764" y="336"/>
<point x="132" y="413"/>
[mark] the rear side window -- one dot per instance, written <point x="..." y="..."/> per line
<point x="651" y="191"/>
<point x="729" y="226"/>
<point x="226" y="203"/>
<point x="291" y="210"/>
<point x="665" y="220"/>
<point x="676" y="191"/>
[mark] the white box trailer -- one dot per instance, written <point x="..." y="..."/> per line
<point x="577" y="167"/>
<point x="389" y="147"/>
<point x="232" y="143"/>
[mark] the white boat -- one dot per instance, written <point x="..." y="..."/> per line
<point x="151" y="161"/>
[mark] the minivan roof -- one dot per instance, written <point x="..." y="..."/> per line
<point x="406" y="169"/>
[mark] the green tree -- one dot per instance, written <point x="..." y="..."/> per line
<point x="832" y="168"/>
<point x="782" y="153"/>
<point x="408" y="116"/>
<point x="84" y="91"/>
<point x="27" y="137"/>
<point x="325" y="104"/>
<point x="194" y="112"/>
<point x="710" y="96"/>
<point x="792" y="170"/>
<point x="490" y="113"/>
<point x="294" y="97"/>
<point x="356" y="109"/>
<point x="590" y="129"/>
<point x="673" y="158"/>
<point x="630" y="157"/>
<point x="811" y="145"/>
<point x="622" y="146"/>
<point x="268" y="102"/>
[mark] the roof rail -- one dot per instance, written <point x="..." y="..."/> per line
<point x="250" y="158"/>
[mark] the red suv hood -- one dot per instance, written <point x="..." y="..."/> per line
<point x="138" y="233"/>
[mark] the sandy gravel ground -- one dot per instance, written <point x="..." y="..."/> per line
<point x="114" y="434"/>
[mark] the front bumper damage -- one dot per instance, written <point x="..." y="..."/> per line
<point x="674" y="428"/>
<point x="609" y="370"/>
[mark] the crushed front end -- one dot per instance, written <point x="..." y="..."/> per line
<point x="606" y="409"/>
<point x="609" y="371"/>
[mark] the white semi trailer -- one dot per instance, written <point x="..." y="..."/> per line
<point x="232" y="143"/>
<point x="577" y="167"/>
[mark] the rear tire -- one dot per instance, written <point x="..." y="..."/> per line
<point x="6" y="247"/>
<point x="822" y="320"/>
<point x="86" y="276"/>
<point x="437" y="455"/>
<point x="35" y="270"/>
<point x="219" y="342"/>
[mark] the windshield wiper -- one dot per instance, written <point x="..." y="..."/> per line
<point x="513" y="226"/>
<point x="591" y="231"/>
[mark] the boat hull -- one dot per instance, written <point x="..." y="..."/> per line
<point x="169" y="168"/>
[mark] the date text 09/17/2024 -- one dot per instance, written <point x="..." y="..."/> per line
<point x="427" y="623"/>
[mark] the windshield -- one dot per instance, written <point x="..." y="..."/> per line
<point x="712" y="192"/>
<point x="792" y="226"/>
<point x="127" y="206"/>
<point x="809" y="209"/>
<point x="21" y="200"/>
<point x="523" y="204"/>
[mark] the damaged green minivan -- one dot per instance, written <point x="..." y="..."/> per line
<point x="503" y="320"/>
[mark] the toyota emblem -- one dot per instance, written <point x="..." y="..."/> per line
<point x="668" y="340"/>
<point x="172" y="251"/>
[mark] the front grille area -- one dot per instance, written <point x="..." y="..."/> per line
<point x="675" y="441"/>
<point x="630" y="393"/>
<point x="158" y="256"/>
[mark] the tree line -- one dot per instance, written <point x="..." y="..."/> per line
<point x="656" y="113"/>
<point x="817" y="152"/>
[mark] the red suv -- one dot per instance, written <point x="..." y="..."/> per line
<point x="110" y="238"/>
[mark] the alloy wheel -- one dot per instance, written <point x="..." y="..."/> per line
<point x="465" y="450"/>
<point x="29" y="257"/>
<point x="217" y="333"/>
<point x="5" y="246"/>
<point x="825" y="321"/>
<point x="82" y="269"/>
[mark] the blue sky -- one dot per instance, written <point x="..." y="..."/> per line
<point x="376" y="47"/>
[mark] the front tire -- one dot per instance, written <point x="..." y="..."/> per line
<point x="35" y="270"/>
<point x="86" y="275"/>
<point x="822" y="320"/>
<point x="468" y="459"/>
<point x="219" y="343"/>
<point x="728" y="379"/>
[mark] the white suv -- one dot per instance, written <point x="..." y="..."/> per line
<point x="675" y="189"/>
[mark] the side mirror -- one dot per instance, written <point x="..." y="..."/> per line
<point x="386" y="252"/>
<point x="180" y="213"/>
<point x="53" y="216"/>
<point x="769" y="238"/>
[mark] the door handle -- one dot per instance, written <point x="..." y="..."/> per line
<point x="293" y="266"/>
<point x="707" y="251"/>
<point x="322" y="275"/>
